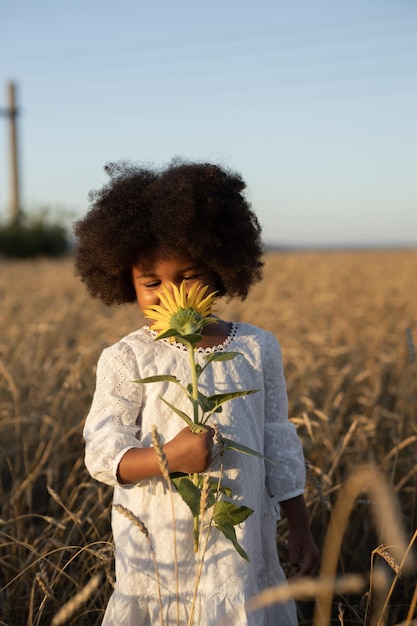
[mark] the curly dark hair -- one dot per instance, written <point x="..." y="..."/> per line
<point x="193" y="209"/>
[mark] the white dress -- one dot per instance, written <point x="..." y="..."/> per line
<point x="122" y="416"/>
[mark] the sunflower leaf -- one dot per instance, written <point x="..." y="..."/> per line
<point x="230" y="533"/>
<point x="192" y="339"/>
<point x="196" y="428"/>
<point x="238" y="447"/>
<point x="171" y="332"/>
<point x="217" y="356"/>
<point x="230" y="513"/>
<point x="189" y="492"/>
<point x="220" y="356"/>
<point x="221" y="398"/>
<point x="205" y="403"/>
<point x="215" y="488"/>
<point x="158" y="379"/>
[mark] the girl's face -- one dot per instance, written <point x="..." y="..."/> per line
<point x="149" y="277"/>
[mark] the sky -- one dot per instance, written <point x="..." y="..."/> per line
<point x="313" y="101"/>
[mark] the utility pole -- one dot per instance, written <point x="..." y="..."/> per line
<point x="11" y="113"/>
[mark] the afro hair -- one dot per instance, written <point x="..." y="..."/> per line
<point x="185" y="209"/>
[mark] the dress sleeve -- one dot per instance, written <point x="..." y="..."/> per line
<point x="113" y="424"/>
<point x="286" y="477"/>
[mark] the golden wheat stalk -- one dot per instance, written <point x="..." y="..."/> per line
<point x="205" y="489"/>
<point x="44" y="584"/>
<point x="77" y="601"/>
<point x="163" y="466"/>
<point x="406" y="563"/>
<point x="386" y="519"/>
<point x="161" y="456"/>
<point x="378" y="392"/>
<point x="202" y="550"/>
<point x="305" y="589"/>
<point x="301" y="589"/>
<point x="136" y="521"/>
<point x="388" y="558"/>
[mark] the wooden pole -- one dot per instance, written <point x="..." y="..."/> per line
<point x="14" y="164"/>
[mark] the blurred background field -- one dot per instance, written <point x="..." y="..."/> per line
<point x="345" y="321"/>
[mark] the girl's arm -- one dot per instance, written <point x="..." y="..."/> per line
<point x="187" y="452"/>
<point x="303" y="552"/>
<point x="286" y="480"/>
<point x="114" y="453"/>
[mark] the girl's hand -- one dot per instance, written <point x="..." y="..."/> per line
<point x="190" y="452"/>
<point x="303" y="552"/>
<point x="187" y="452"/>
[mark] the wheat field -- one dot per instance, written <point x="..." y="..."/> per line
<point x="345" y="321"/>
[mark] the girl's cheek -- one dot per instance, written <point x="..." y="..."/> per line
<point x="146" y="298"/>
<point x="151" y="298"/>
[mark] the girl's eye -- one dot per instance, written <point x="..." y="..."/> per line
<point x="155" y="284"/>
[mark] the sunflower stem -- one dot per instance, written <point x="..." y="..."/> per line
<point x="194" y="378"/>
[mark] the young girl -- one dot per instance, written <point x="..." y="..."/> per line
<point x="145" y="230"/>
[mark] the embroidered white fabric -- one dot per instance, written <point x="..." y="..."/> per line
<point x="122" y="416"/>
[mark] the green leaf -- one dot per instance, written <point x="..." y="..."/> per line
<point x="230" y="533"/>
<point x="217" y="356"/>
<point x="187" y="489"/>
<point x="192" y="339"/>
<point x="205" y="403"/>
<point x="215" y="488"/>
<point x="220" y="356"/>
<point x="208" y="404"/>
<point x="196" y="428"/>
<point x="189" y="492"/>
<point x="227" y="512"/>
<point x="158" y="379"/>
<point x="238" y="447"/>
<point x="171" y="332"/>
<point x="221" y="398"/>
<point x="184" y="339"/>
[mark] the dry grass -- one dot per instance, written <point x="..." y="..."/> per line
<point x="345" y="322"/>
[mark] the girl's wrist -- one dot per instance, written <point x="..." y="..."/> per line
<point x="169" y="451"/>
<point x="295" y="511"/>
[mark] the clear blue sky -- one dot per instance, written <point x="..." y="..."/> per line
<point x="314" y="102"/>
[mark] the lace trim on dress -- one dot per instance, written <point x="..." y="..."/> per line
<point x="219" y="348"/>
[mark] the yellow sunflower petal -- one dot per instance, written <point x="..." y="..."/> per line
<point x="194" y="295"/>
<point x="182" y="296"/>
<point x="158" y="309"/>
<point x="191" y="295"/>
<point x="205" y="306"/>
<point x="158" y="319"/>
<point x="168" y="299"/>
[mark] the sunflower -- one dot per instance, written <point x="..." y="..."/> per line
<point x="182" y="314"/>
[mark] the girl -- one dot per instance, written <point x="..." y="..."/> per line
<point x="145" y="230"/>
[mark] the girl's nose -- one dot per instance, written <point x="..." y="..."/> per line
<point x="177" y="283"/>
